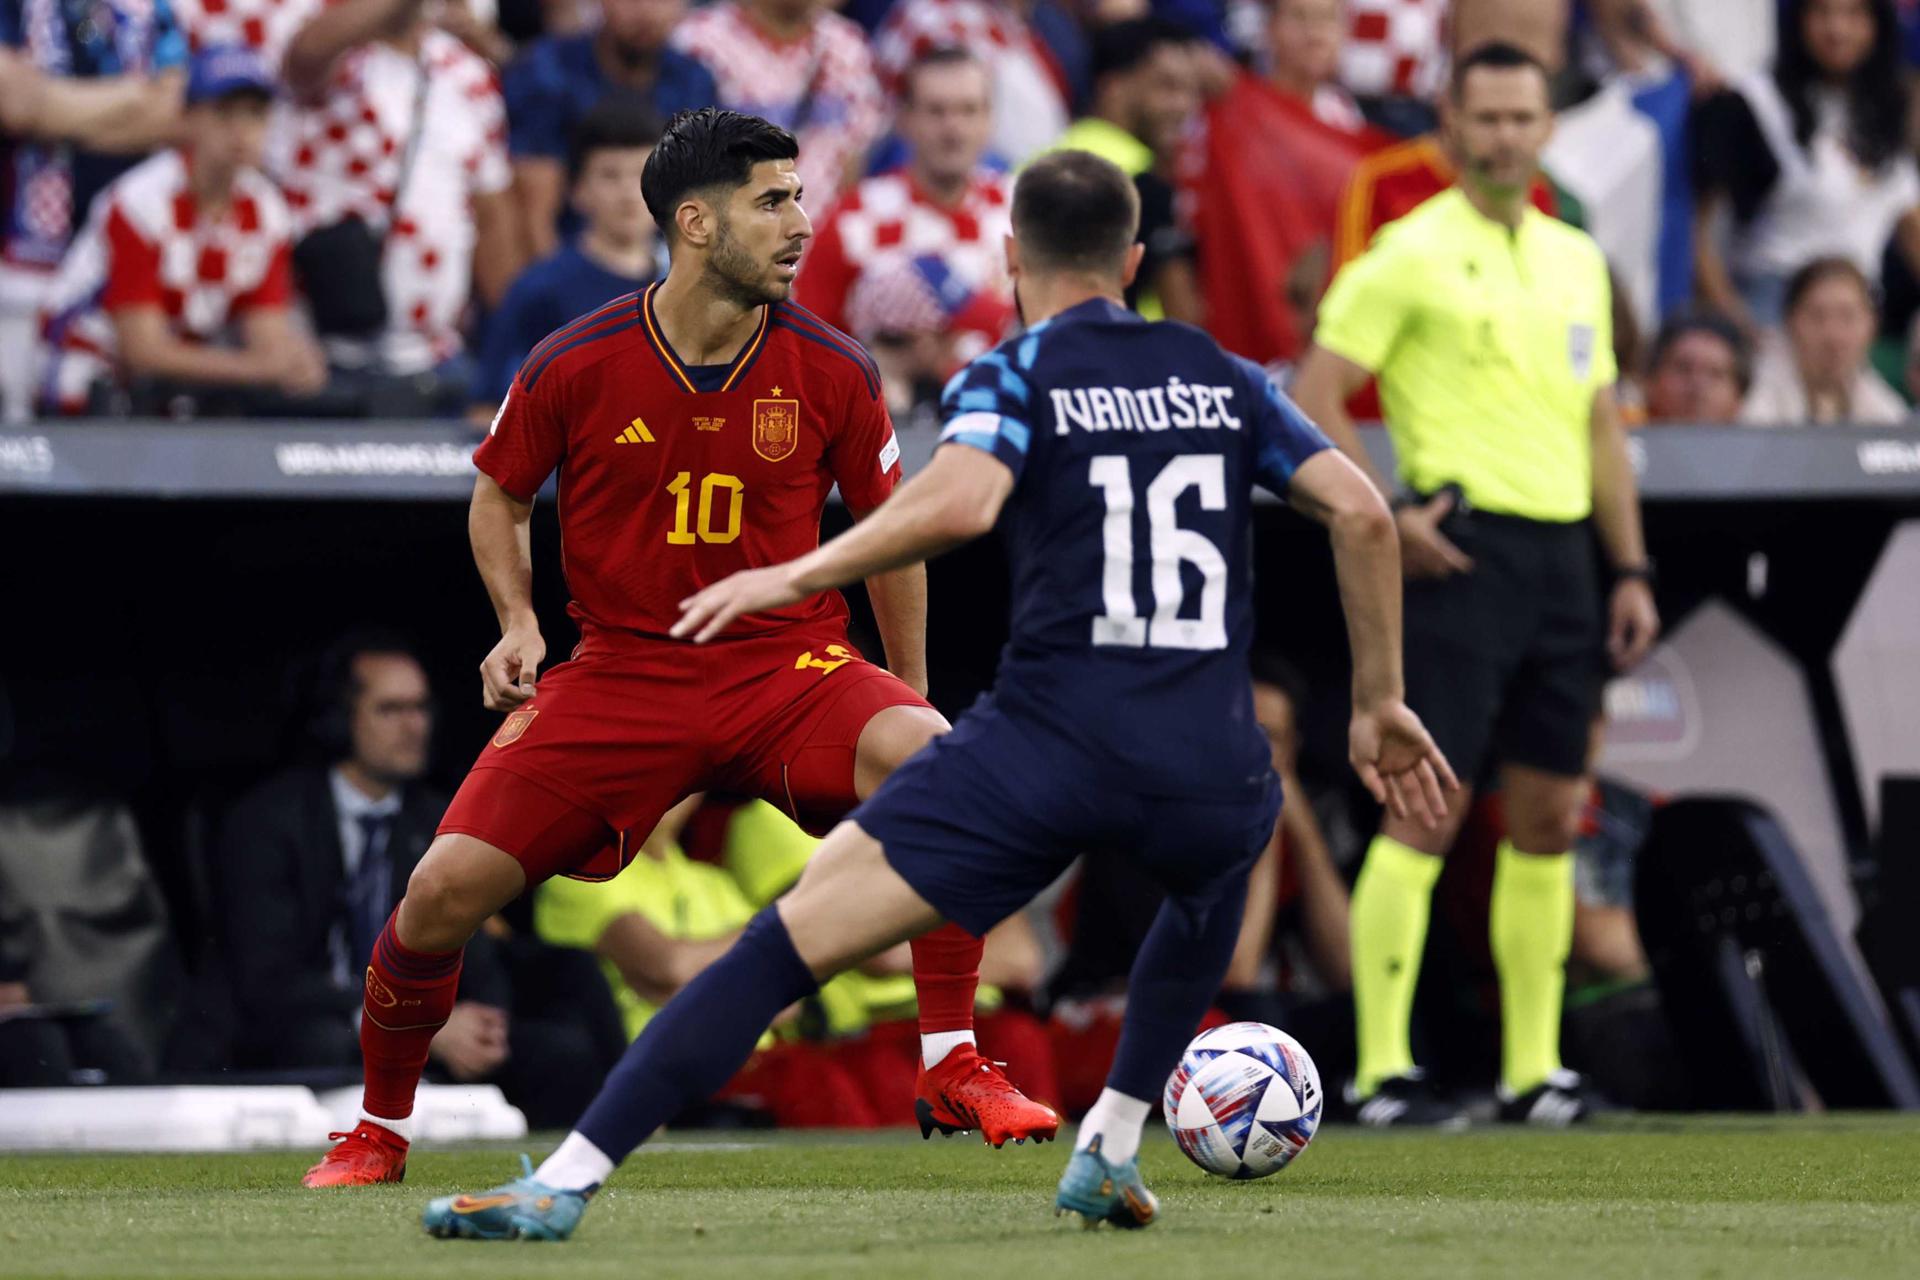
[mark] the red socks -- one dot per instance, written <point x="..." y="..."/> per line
<point x="946" y="973"/>
<point x="409" y="997"/>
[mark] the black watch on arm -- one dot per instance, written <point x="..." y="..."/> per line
<point x="1642" y="572"/>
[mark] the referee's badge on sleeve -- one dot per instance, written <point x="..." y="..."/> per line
<point x="1580" y="349"/>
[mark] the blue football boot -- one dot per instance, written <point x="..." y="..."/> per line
<point x="1101" y="1191"/>
<point x="520" y="1210"/>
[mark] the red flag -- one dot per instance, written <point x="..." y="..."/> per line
<point x="1263" y="182"/>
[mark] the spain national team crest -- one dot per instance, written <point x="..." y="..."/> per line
<point x="516" y="724"/>
<point x="776" y="427"/>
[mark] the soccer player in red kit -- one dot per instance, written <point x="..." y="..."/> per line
<point x="697" y="428"/>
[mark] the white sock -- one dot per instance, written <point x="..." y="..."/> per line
<point x="1116" y="1119"/>
<point x="403" y="1126"/>
<point x="576" y="1165"/>
<point x="935" y="1045"/>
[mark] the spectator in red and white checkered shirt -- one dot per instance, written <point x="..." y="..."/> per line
<point x="187" y="247"/>
<point x="801" y="66"/>
<point x="357" y="71"/>
<point x="1030" y="95"/>
<point x="265" y="26"/>
<point x="944" y="204"/>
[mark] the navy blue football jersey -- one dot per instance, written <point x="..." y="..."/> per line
<point x="1135" y="446"/>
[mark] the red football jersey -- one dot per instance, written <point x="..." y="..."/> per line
<point x="665" y="488"/>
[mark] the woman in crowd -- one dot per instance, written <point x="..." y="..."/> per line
<point x="1820" y="374"/>
<point x="1809" y="161"/>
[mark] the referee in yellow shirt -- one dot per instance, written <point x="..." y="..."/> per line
<point x="1488" y="326"/>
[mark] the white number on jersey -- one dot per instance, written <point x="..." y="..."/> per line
<point x="1170" y="547"/>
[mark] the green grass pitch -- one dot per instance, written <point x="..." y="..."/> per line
<point x="1740" y="1198"/>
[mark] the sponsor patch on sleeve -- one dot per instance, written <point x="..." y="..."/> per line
<point x="890" y="453"/>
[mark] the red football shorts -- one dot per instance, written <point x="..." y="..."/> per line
<point x="576" y="778"/>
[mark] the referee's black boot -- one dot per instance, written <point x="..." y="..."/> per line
<point x="1560" y="1100"/>
<point x="1406" y="1102"/>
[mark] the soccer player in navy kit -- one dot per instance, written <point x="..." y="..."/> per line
<point x="1118" y="456"/>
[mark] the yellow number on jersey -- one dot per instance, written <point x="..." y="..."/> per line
<point x="840" y="656"/>
<point x="682" y="534"/>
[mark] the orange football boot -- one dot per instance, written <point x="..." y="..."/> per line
<point x="964" y="1092"/>
<point x="368" y="1155"/>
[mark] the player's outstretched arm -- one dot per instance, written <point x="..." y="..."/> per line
<point x="954" y="500"/>
<point x="499" y="526"/>
<point x="1387" y="745"/>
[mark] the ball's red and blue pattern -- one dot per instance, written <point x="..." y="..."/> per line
<point x="1244" y="1101"/>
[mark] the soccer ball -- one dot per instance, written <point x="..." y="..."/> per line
<point x="1244" y="1101"/>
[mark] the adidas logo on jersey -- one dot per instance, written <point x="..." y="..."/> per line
<point x="1178" y="404"/>
<point x="636" y="433"/>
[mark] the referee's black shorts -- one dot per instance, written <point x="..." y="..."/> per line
<point x="1506" y="664"/>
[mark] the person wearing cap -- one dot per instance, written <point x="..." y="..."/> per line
<point x="922" y="323"/>
<point x="1489" y="327"/>
<point x="181" y="274"/>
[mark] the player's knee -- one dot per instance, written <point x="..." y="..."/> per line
<point x="891" y="738"/>
<point x="456" y="886"/>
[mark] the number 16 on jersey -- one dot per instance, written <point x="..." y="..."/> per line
<point x="1168" y="547"/>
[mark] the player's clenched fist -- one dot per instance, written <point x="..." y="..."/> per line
<point x="506" y="677"/>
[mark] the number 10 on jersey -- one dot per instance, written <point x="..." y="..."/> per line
<point x="684" y="533"/>
<point x="1169" y="546"/>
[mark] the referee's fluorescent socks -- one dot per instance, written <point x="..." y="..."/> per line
<point x="1392" y="900"/>
<point x="1531" y="926"/>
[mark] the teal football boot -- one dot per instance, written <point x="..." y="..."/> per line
<point x="520" y="1210"/>
<point x="1101" y="1191"/>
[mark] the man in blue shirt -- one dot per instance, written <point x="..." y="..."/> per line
<point x="551" y="87"/>
<point x="1118" y="457"/>
<point x="615" y="252"/>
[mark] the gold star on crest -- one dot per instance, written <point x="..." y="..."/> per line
<point x="776" y="391"/>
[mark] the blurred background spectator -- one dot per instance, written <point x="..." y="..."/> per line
<point x="945" y="205"/>
<point x="1821" y="373"/>
<point x="84" y="93"/>
<point x="615" y="250"/>
<point x="1032" y="92"/>
<point x="1810" y="161"/>
<point x="1700" y="371"/>
<point x="1146" y="83"/>
<point x="1264" y="182"/>
<point x="919" y="321"/>
<point x="553" y="86"/>
<point x="802" y="66"/>
<point x="189" y="247"/>
<point x="394" y="163"/>
<point x="309" y="867"/>
<point x="845" y="1057"/>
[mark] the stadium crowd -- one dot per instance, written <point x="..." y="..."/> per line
<point x="275" y="208"/>
<point x="367" y="208"/>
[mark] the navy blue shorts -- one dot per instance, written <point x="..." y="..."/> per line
<point x="983" y="819"/>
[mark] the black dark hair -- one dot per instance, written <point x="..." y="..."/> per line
<point x="1121" y="47"/>
<point x="1876" y="91"/>
<point x="621" y="122"/>
<point x="334" y="686"/>
<point x="1715" y="325"/>
<point x="1801" y="283"/>
<point x="1074" y="211"/>
<point x="710" y="147"/>
<point x="1497" y="55"/>
<point x="1269" y="668"/>
<point x="944" y="55"/>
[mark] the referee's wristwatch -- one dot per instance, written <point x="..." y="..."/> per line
<point x="1642" y="572"/>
